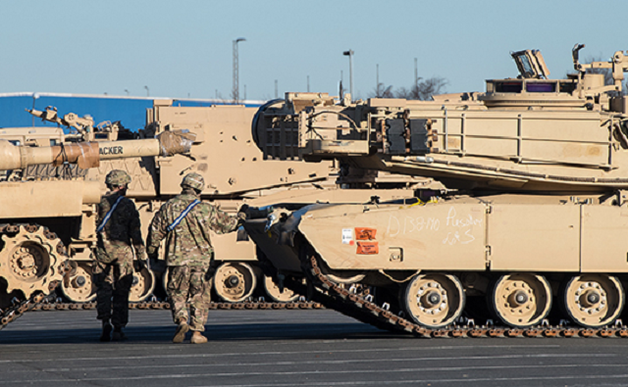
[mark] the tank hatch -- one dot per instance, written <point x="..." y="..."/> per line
<point x="530" y="64"/>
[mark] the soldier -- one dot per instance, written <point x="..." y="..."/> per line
<point x="185" y="222"/>
<point x="118" y="234"/>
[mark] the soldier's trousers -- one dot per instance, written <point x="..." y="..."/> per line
<point x="112" y="293"/>
<point x="188" y="286"/>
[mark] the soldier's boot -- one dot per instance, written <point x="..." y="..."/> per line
<point x="106" y="331"/>
<point x="118" y="335"/>
<point x="198" y="338"/>
<point x="182" y="329"/>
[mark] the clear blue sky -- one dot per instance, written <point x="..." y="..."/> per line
<point x="184" y="48"/>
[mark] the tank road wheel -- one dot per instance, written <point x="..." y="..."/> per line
<point x="143" y="285"/>
<point x="31" y="260"/>
<point x="272" y="290"/>
<point x="521" y="300"/>
<point x="433" y="300"/>
<point x="593" y="300"/>
<point x="77" y="284"/>
<point x="234" y="281"/>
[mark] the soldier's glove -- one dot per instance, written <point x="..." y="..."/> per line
<point x="243" y="213"/>
<point x="139" y="265"/>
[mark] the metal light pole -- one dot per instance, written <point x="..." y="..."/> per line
<point x="377" y="81"/>
<point x="147" y="91"/>
<point x="236" y="75"/>
<point x="341" y="90"/>
<point x="416" y="78"/>
<point x="35" y="97"/>
<point x="350" y="55"/>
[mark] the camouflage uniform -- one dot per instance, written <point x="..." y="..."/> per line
<point x="189" y="253"/>
<point x="113" y="269"/>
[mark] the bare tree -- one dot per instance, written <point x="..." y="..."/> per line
<point x="423" y="90"/>
<point x="383" y="91"/>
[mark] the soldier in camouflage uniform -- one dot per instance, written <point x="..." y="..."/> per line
<point x="118" y="234"/>
<point x="185" y="222"/>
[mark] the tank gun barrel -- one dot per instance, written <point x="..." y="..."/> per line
<point x="89" y="154"/>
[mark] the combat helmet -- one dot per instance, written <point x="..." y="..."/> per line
<point x="117" y="178"/>
<point x="193" y="180"/>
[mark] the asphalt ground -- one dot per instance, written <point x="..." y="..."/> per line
<point x="290" y="348"/>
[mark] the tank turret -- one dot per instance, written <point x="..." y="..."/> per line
<point x="526" y="133"/>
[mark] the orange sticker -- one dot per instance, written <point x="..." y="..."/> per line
<point x="365" y="233"/>
<point x="368" y="248"/>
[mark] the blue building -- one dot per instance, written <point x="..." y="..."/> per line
<point x="130" y="111"/>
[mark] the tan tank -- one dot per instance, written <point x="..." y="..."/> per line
<point x="39" y="218"/>
<point x="235" y="170"/>
<point x="532" y="222"/>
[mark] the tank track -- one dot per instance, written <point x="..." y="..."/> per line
<point x="324" y="293"/>
<point x="18" y="308"/>
<point x="156" y="304"/>
<point x="40" y="303"/>
<point x="355" y="306"/>
<point x="346" y="301"/>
